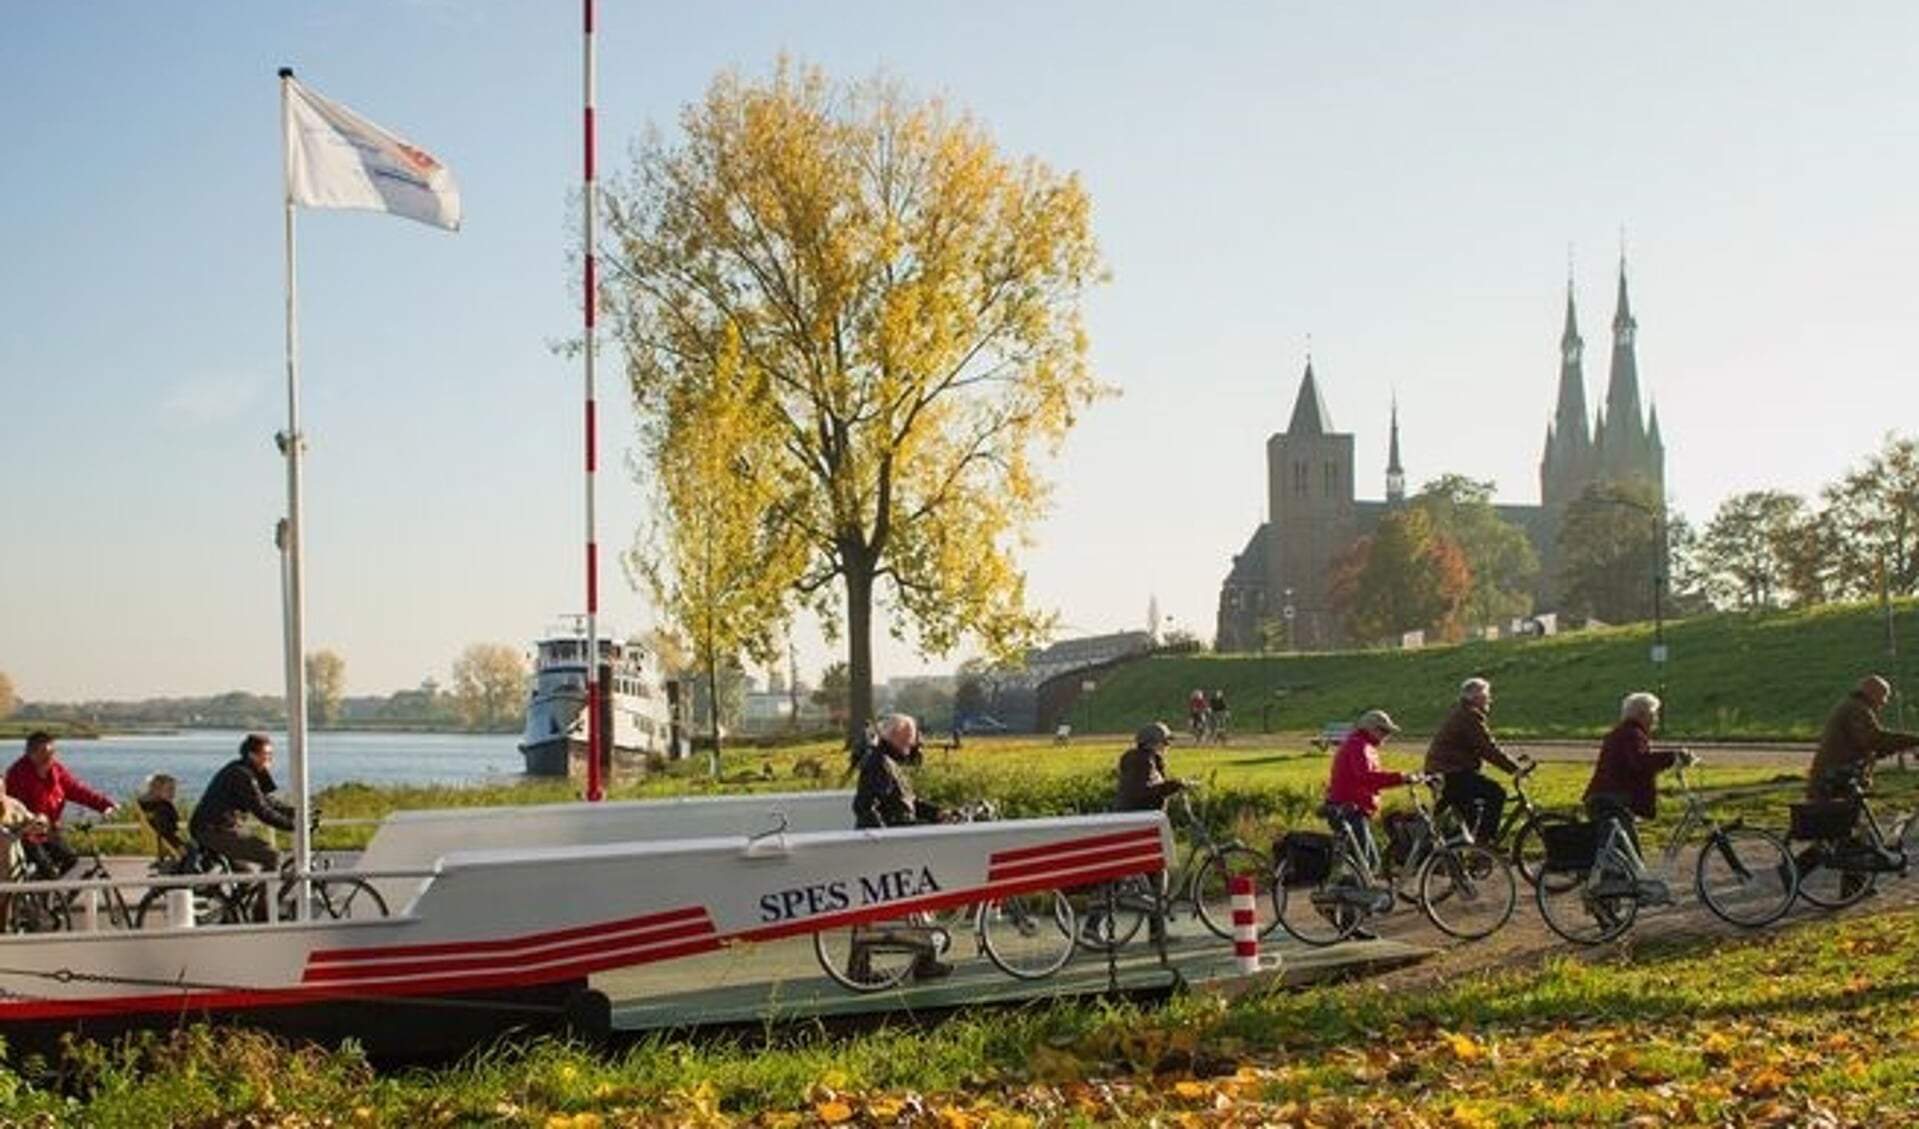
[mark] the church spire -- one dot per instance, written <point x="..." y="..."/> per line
<point x="1566" y="466"/>
<point x="1309" y="410"/>
<point x="1395" y="474"/>
<point x="1623" y="450"/>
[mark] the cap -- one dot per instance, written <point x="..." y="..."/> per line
<point x="1379" y="721"/>
<point x="1155" y="734"/>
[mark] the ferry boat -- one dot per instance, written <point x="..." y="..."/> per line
<point x="501" y="917"/>
<point x="554" y="739"/>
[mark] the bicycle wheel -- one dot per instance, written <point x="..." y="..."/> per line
<point x="346" y="898"/>
<point x="1745" y="876"/>
<point x="872" y="957"/>
<point x="1528" y="853"/>
<point x="37" y="912"/>
<point x="1824" y="883"/>
<point x="1028" y="936"/>
<point x="1116" y="911"/>
<point x="1324" y="912"/>
<point x="1212" y="889"/>
<point x="211" y="906"/>
<point x="1569" y="907"/>
<point x="1467" y="890"/>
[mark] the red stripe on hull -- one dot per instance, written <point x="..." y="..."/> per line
<point x="602" y="930"/>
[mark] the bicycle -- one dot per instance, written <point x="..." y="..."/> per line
<point x="335" y="897"/>
<point x="1520" y="829"/>
<point x="1593" y="885"/>
<point x="1027" y="936"/>
<point x="1466" y="889"/>
<point x="61" y="907"/>
<point x="1848" y="849"/>
<point x="1202" y="880"/>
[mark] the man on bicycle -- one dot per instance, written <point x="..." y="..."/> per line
<point x="884" y="798"/>
<point x="243" y="787"/>
<point x="43" y="785"/>
<point x="1143" y="783"/>
<point x="1196" y="704"/>
<point x="1852" y="739"/>
<point x="1463" y="742"/>
<point x="1623" y="786"/>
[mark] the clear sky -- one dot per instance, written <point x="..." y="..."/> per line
<point x="1400" y="183"/>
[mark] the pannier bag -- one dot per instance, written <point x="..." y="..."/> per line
<point x="1823" y="819"/>
<point x="1307" y="855"/>
<point x="1570" y="846"/>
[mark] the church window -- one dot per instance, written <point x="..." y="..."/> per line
<point x="1299" y="478"/>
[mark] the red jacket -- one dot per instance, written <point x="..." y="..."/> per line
<point x="48" y="795"/>
<point x="1357" y="777"/>
<point x="1627" y="768"/>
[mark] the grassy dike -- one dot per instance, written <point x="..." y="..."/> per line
<point x="1728" y="677"/>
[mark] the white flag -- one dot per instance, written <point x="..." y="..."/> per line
<point x="337" y="159"/>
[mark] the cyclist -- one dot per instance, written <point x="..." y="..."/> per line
<point x="44" y="785"/>
<point x="1219" y="716"/>
<point x="1143" y="783"/>
<point x="1196" y="713"/>
<point x="1852" y="740"/>
<point x="1622" y="787"/>
<point x="1357" y="779"/>
<point x="884" y="798"/>
<point x="243" y="787"/>
<point x="1462" y="744"/>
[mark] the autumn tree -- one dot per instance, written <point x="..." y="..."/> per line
<point x="1405" y="576"/>
<point x="1612" y="553"/>
<point x="713" y="565"/>
<point x="1873" y="515"/>
<point x="489" y="686"/>
<point x="834" y="693"/>
<point x="897" y="306"/>
<point x="1497" y="552"/>
<point x="326" y="686"/>
<point x="1743" y="553"/>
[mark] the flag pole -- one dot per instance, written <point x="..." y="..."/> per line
<point x="289" y="534"/>
<point x="596" y="738"/>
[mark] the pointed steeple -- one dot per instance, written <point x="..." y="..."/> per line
<point x="1309" y="411"/>
<point x="1566" y="466"/>
<point x="1622" y="440"/>
<point x="1395" y="474"/>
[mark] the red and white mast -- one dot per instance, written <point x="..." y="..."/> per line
<point x="589" y="303"/>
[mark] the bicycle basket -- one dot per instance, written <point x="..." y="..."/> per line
<point x="1402" y="831"/>
<point x="1570" y="846"/>
<point x="1308" y="856"/>
<point x="1823" y="819"/>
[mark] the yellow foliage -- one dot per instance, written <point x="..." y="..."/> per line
<point x="833" y="1112"/>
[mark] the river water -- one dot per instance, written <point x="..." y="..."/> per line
<point x="118" y="765"/>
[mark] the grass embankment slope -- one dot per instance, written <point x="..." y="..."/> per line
<point x="1730" y="677"/>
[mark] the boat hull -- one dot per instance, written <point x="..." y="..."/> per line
<point x="505" y="938"/>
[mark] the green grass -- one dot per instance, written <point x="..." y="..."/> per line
<point x="1730" y="676"/>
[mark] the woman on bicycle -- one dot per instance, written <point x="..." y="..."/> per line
<point x="1357" y="778"/>
<point x="1624" y="777"/>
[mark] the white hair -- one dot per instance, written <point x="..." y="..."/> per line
<point x="899" y="730"/>
<point x="1638" y="704"/>
<point x="1474" y="688"/>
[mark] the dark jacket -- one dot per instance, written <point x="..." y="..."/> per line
<point x="239" y="789"/>
<point x="1463" y="741"/>
<point x="883" y="797"/>
<point x="1851" y="741"/>
<point x="1628" y="768"/>
<point x="1143" y="784"/>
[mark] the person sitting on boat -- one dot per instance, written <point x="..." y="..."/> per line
<point x="884" y="798"/>
<point x="243" y="787"/>
<point x="39" y="781"/>
<point x="156" y="804"/>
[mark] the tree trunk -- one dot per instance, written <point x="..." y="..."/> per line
<point x="713" y="712"/>
<point x="859" y="644"/>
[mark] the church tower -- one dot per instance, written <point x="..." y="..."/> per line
<point x="1395" y="474"/>
<point x="1566" y="468"/>
<point x="1626" y="446"/>
<point x="1309" y="491"/>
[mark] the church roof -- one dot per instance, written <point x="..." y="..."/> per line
<point x="1309" y="410"/>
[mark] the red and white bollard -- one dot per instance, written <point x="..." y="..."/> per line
<point x="1245" y="925"/>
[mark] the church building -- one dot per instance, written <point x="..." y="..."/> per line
<point x="1276" y="594"/>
